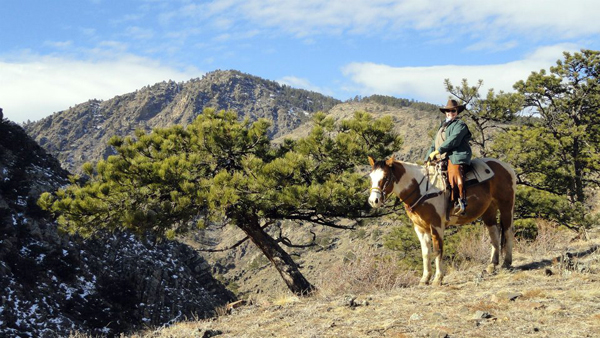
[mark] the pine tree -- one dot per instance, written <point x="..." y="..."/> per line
<point x="555" y="150"/>
<point x="218" y="170"/>
<point x="485" y="115"/>
<point x="560" y="150"/>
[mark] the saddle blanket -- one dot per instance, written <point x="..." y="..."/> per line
<point x="479" y="172"/>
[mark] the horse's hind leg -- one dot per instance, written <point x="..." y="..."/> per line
<point x="425" y="240"/>
<point x="508" y="236"/>
<point x="490" y="221"/>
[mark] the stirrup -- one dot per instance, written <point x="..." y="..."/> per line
<point x="460" y="206"/>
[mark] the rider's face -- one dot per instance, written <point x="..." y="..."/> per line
<point x="451" y="114"/>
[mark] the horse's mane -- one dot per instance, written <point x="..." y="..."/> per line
<point x="408" y="163"/>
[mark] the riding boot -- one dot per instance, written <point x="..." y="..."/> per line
<point x="455" y="178"/>
<point x="462" y="190"/>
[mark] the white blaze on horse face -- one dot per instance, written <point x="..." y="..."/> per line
<point x="376" y="196"/>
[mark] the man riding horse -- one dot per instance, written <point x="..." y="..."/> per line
<point x="451" y="144"/>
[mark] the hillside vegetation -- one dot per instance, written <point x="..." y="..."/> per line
<point x="415" y="126"/>
<point x="552" y="291"/>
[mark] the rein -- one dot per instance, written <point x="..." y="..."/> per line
<point x="426" y="196"/>
<point x="418" y="188"/>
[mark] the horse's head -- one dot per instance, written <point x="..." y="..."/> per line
<point x="382" y="181"/>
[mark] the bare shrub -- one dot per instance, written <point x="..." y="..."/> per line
<point x="473" y="248"/>
<point x="221" y="311"/>
<point x="365" y="270"/>
<point x="550" y="238"/>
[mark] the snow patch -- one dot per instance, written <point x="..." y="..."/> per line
<point x="68" y="290"/>
<point x="25" y="251"/>
<point x="33" y="309"/>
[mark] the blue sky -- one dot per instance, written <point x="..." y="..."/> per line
<point x="55" y="54"/>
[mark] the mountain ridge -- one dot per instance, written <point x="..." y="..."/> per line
<point x="80" y="133"/>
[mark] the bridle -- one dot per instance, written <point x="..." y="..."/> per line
<point x="381" y="191"/>
<point x="411" y="207"/>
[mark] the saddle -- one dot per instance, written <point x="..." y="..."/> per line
<point x="476" y="173"/>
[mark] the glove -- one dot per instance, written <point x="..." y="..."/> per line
<point x="433" y="155"/>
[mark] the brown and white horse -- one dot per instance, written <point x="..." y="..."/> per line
<point x="426" y="207"/>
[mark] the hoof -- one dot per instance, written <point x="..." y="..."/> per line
<point x="437" y="282"/>
<point x="491" y="269"/>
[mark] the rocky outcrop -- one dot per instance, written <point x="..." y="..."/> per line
<point x="81" y="133"/>
<point x="52" y="283"/>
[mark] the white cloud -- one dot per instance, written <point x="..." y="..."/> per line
<point x="108" y="48"/>
<point x="139" y="33"/>
<point x="297" y="82"/>
<point x="36" y="86"/>
<point x="481" y="19"/>
<point x="59" y="44"/>
<point x="427" y="83"/>
<point x="302" y="83"/>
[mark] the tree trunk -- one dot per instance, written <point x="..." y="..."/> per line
<point x="579" y="168"/>
<point x="281" y="260"/>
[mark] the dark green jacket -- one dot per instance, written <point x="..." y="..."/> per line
<point x="456" y="144"/>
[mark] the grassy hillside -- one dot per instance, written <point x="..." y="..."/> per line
<point x="552" y="291"/>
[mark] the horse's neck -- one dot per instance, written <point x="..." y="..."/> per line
<point x="407" y="174"/>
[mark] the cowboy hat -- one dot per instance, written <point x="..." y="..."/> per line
<point x="453" y="105"/>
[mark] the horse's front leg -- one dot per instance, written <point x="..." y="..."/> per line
<point x="437" y="234"/>
<point x="425" y="240"/>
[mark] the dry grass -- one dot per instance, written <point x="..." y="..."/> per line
<point x="286" y="300"/>
<point x="534" y="293"/>
<point x="388" y="303"/>
<point x="366" y="271"/>
<point x="462" y="310"/>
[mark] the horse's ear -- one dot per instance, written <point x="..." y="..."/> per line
<point x="371" y="161"/>
<point x="390" y="161"/>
